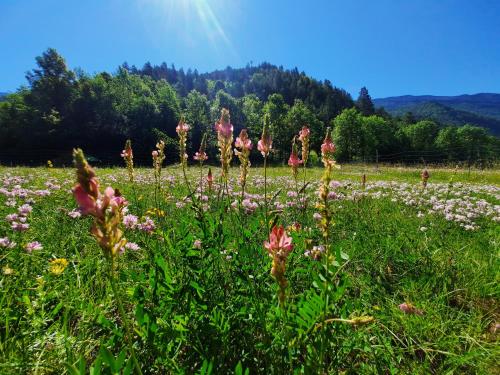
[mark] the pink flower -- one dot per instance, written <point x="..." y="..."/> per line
<point x="224" y="128"/>
<point x="19" y="227"/>
<point x="294" y="160"/>
<point x="264" y="146"/>
<point x="5" y="242"/>
<point x="279" y="243"/>
<point x="200" y="156"/>
<point x="328" y="147"/>
<point x="30" y="246"/>
<point x="243" y="142"/>
<point x="147" y="226"/>
<point x="132" y="246"/>
<point x="408" y="308"/>
<point x="86" y="203"/>
<point x="182" y="128"/>
<point x="304" y="133"/>
<point x="130" y="221"/>
<point x="197" y="244"/>
<point x="74" y="214"/>
<point x="25" y="209"/>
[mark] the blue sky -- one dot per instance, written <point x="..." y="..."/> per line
<point x="393" y="47"/>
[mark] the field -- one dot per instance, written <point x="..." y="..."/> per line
<point x="405" y="281"/>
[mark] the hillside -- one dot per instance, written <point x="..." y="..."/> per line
<point x="484" y="104"/>
<point x="452" y="113"/>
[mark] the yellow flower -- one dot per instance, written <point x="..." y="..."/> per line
<point x="49" y="164"/>
<point x="155" y="212"/>
<point x="7" y="270"/>
<point x="57" y="266"/>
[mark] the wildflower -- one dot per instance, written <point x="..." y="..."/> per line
<point x="201" y="155"/>
<point x="6" y="243"/>
<point x="12" y="217"/>
<point x="132" y="246"/>
<point x="265" y="143"/>
<point x="408" y="308"/>
<point x="49" y="164"/>
<point x="243" y="146"/>
<point x="6" y="270"/>
<point x="24" y="210"/>
<point x="147" y="225"/>
<point x="107" y="208"/>
<point x="158" y="158"/>
<point x="224" y="130"/>
<point x="316" y="252"/>
<point x="58" y="265"/>
<point x="210" y="179"/>
<point x="327" y="149"/>
<point x="130" y="221"/>
<point x="128" y="157"/>
<point x="35" y="245"/>
<point x="249" y="206"/>
<point x="304" y="136"/>
<point x="317" y="216"/>
<point x="278" y="248"/>
<point x="19" y="227"/>
<point x="197" y="244"/>
<point x="294" y="160"/>
<point x="182" y="130"/>
<point x="423" y="229"/>
<point x="74" y="214"/>
<point x="425" y="177"/>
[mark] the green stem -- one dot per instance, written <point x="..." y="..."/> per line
<point x="128" y="332"/>
<point x="265" y="192"/>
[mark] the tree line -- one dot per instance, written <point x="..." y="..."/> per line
<point x="62" y="108"/>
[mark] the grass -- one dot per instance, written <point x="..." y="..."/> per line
<point x="214" y="308"/>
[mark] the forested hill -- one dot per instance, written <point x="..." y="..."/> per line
<point x="447" y="115"/>
<point x="485" y="104"/>
<point x="479" y="109"/>
<point x="62" y="108"/>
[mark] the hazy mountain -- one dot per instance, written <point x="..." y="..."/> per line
<point x="447" y="115"/>
<point x="481" y="104"/>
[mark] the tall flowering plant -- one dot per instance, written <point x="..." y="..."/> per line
<point x="425" y="177"/>
<point x="294" y="162"/>
<point x="224" y="130"/>
<point x="158" y="158"/>
<point x="278" y="248"/>
<point x="201" y="156"/>
<point x="327" y="157"/>
<point x="265" y="145"/>
<point x="304" y="136"/>
<point x="182" y="131"/>
<point x="107" y="210"/>
<point x="243" y="146"/>
<point x="128" y="157"/>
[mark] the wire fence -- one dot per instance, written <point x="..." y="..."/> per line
<point x="479" y="156"/>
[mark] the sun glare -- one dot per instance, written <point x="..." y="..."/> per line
<point x="192" y="19"/>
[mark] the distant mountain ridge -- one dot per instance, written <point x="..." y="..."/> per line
<point x="478" y="109"/>
<point x="484" y="104"/>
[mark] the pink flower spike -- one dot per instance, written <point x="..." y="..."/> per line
<point x="86" y="203"/>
